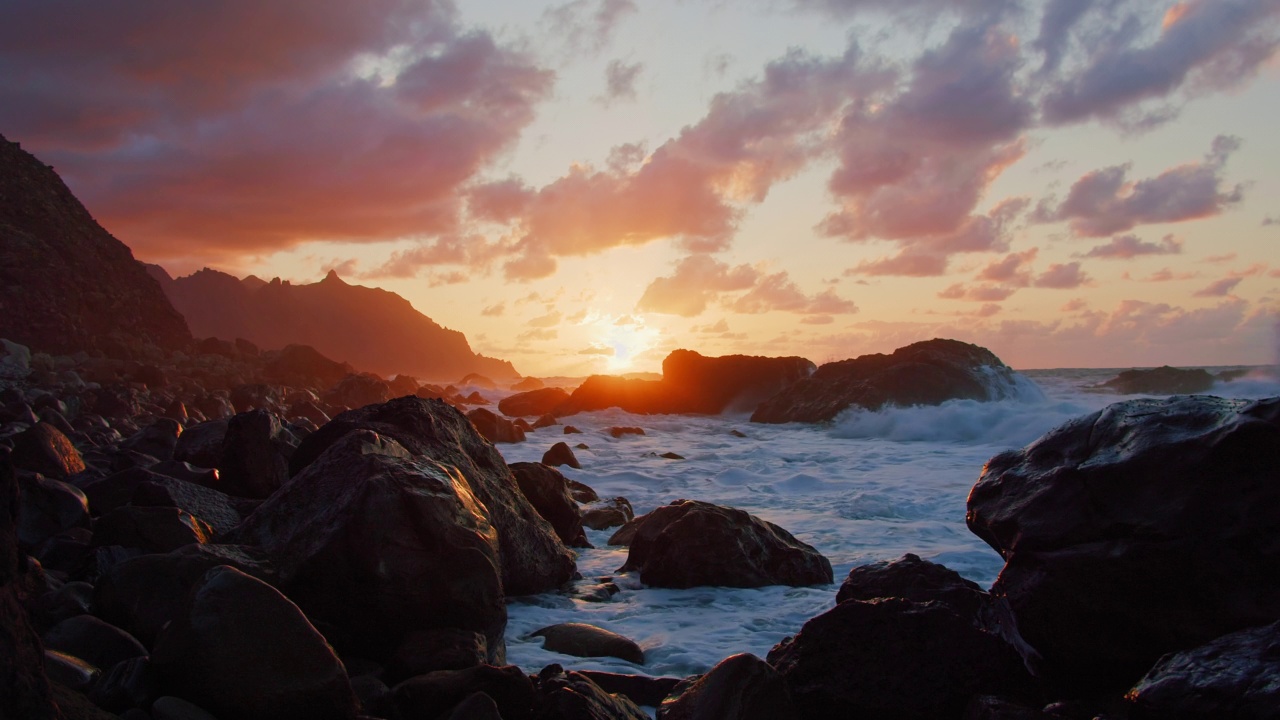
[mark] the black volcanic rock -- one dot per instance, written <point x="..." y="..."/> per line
<point x="533" y="402"/>
<point x="740" y="687"/>
<point x="690" y="543"/>
<point x="691" y="383"/>
<point x="548" y="491"/>
<point x="370" y="328"/>
<point x="1161" y="381"/>
<point x="1143" y="528"/>
<point x="67" y="285"/>
<point x="911" y="578"/>
<point x="924" y="373"/>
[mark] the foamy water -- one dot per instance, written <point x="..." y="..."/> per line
<point x="869" y="486"/>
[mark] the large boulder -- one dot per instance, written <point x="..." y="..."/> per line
<point x="47" y="508"/>
<point x="495" y="428"/>
<point x="533" y="559"/>
<point x="912" y="578"/>
<point x="924" y="373"/>
<point x="690" y="543"/>
<point x="574" y="696"/>
<point x="201" y="445"/>
<point x="583" y="640"/>
<point x="44" y="449"/>
<point x="1161" y="381"/>
<point x="375" y="544"/>
<point x="358" y="390"/>
<point x="894" y="658"/>
<point x="533" y="403"/>
<point x="740" y="687"/>
<point x="691" y="383"/>
<point x="1143" y="528"/>
<point x="240" y="649"/>
<point x="548" y="490"/>
<point x="255" y="454"/>
<point x="1235" y="676"/>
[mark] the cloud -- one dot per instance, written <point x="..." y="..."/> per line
<point x="1105" y="201"/>
<point x="1202" y="46"/>
<point x="496" y="310"/>
<point x="1269" y="220"/>
<point x="228" y="127"/>
<point x="720" y="326"/>
<point x="598" y="350"/>
<point x="906" y="263"/>
<point x="1059" y="276"/>
<point x="1127" y="247"/>
<point x="817" y="320"/>
<point x="1014" y="269"/>
<point x="620" y="80"/>
<point x="1074" y="305"/>
<point x="777" y="292"/>
<point x="1166" y="275"/>
<point x="472" y="251"/>
<point x="697" y="281"/>
<point x="538" y="334"/>
<point x="586" y="26"/>
<point x="1220" y="288"/>
<point x="550" y="319"/>
<point x="978" y="293"/>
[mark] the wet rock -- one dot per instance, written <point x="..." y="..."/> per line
<point x="1137" y="530"/>
<point x="201" y="445"/>
<point x="627" y="532"/>
<point x="740" y="687"/>
<point x="215" y="407"/>
<point x="172" y="708"/>
<point x="571" y="430"/>
<point x="527" y="384"/>
<point x="427" y="651"/>
<point x="1161" y="381"/>
<point x="374" y="544"/>
<point x="495" y="428"/>
<point x="581" y="492"/>
<point x="240" y="649"/>
<point x="604" y="514"/>
<point x="671" y="456"/>
<point x="924" y="373"/>
<point x="912" y="578"/>
<point x="533" y="403"/>
<point x="560" y="454"/>
<point x="47" y="508"/>
<point x="573" y="696"/>
<point x="477" y="706"/>
<point x="15" y="361"/>
<point x="533" y="557"/>
<point x="255" y="454"/>
<point x="640" y="689"/>
<point x="583" y="640"/>
<point x="1235" y="676"/>
<point x="68" y="601"/>
<point x="215" y="509"/>
<point x="690" y="543"/>
<point x="70" y="671"/>
<point x="545" y="421"/>
<point x="44" y="449"/>
<point x="434" y="694"/>
<point x="548" y="491"/>
<point x="127" y="685"/>
<point x="619" y="431"/>
<point x="65" y="552"/>
<point x="913" y="660"/>
<point x="152" y="529"/>
<point x="100" y="644"/>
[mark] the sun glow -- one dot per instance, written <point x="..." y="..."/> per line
<point x="624" y="337"/>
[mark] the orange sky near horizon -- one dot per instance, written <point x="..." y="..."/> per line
<point x="584" y="186"/>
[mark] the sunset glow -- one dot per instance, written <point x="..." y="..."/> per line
<point x="584" y="186"/>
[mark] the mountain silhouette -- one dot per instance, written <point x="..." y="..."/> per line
<point x="371" y="328"/>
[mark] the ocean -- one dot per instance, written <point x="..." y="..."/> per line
<point x="869" y="486"/>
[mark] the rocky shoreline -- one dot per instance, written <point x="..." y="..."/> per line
<point x="233" y="533"/>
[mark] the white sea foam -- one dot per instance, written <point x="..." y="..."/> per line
<point x="869" y="486"/>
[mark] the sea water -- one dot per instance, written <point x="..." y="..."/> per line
<point x="868" y="486"/>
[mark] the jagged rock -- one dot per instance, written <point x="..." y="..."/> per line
<point x="214" y="508"/>
<point x="1161" y="381"/>
<point x="66" y="284"/>
<point x="358" y="390"/>
<point x="1235" y="676"/>
<point x="690" y="543"/>
<point x="581" y="492"/>
<point x="640" y="689"/>
<point x="240" y="649"/>
<point x="740" y="687"/>
<point x="255" y="396"/>
<point x="912" y="578"/>
<point x="548" y="491"/>
<point x="924" y="373"/>
<point x="495" y="428"/>
<point x="100" y="644"/>
<point x="913" y="660"/>
<point x="571" y="430"/>
<point x="533" y="403"/>
<point x="545" y="421"/>
<point x="152" y="529"/>
<point x="304" y="366"/>
<point x="255" y="454"/>
<point x="691" y="383"/>
<point x="201" y="445"/>
<point x="374" y="543"/>
<point x="560" y="454"/>
<point x="44" y="449"/>
<point x="159" y="439"/>
<point x="1140" y="529"/>
<point x="573" y="696"/>
<point x="15" y="362"/>
<point x="626" y="533"/>
<point x="47" y="508"/>
<point x="433" y="694"/>
<point x="604" y="514"/>
<point x="533" y="558"/>
<point x="477" y="380"/>
<point x="583" y="640"/>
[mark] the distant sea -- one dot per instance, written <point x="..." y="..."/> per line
<point x="869" y="486"/>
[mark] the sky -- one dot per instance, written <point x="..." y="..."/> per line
<point x="584" y="186"/>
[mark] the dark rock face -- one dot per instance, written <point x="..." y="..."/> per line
<point x="201" y="445"/>
<point x="924" y="373"/>
<point x="740" y="687"/>
<point x="548" y="491"/>
<point x="433" y="694"/>
<point x="583" y="640"/>
<point x="67" y="285"/>
<point x="255" y="454"/>
<point x="533" y="403"/>
<point x="573" y="696"/>
<point x="912" y="660"/>
<point x="374" y="543"/>
<point x="533" y="558"/>
<point x="691" y="383"/>
<point x="304" y="366"/>
<point x="640" y="689"/>
<point x="690" y="543"/>
<point x="1143" y="528"/>
<point x="152" y="529"/>
<point x="241" y="649"/>
<point x="604" y="514"/>
<point x="358" y="390"/>
<point x="495" y="428"/>
<point x="47" y="508"/>
<point x="1234" y="676"/>
<point x="98" y="643"/>
<point x="560" y="454"/>
<point x="1161" y="381"/>
<point x="912" y="578"/>
<point x="44" y="449"/>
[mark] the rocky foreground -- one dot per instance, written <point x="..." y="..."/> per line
<point x="237" y="534"/>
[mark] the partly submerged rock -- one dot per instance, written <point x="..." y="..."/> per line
<point x="1161" y="381"/>
<point x="740" y="687"/>
<point x="690" y="543"/>
<point x="548" y="491"/>
<point x="1143" y="528"/>
<point x="533" y="403"/>
<point x="911" y="578"/>
<point x="495" y="428"/>
<point x="924" y="373"/>
<point x="560" y="454"/>
<point x="584" y="640"/>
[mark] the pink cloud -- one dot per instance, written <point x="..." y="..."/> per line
<point x="978" y="293"/>
<point x="620" y="80"/>
<point x="1062" y="276"/>
<point x="698" y="280"/>
<point x="1127" y="247"/>
<point x="1219" y="288"/>
<point x="908" y="264"/>
<point x="1013" y="269"/>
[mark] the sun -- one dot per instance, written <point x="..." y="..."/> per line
<point x="629" y="338"/>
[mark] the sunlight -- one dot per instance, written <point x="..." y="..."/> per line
<point x="627" y="335"/>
